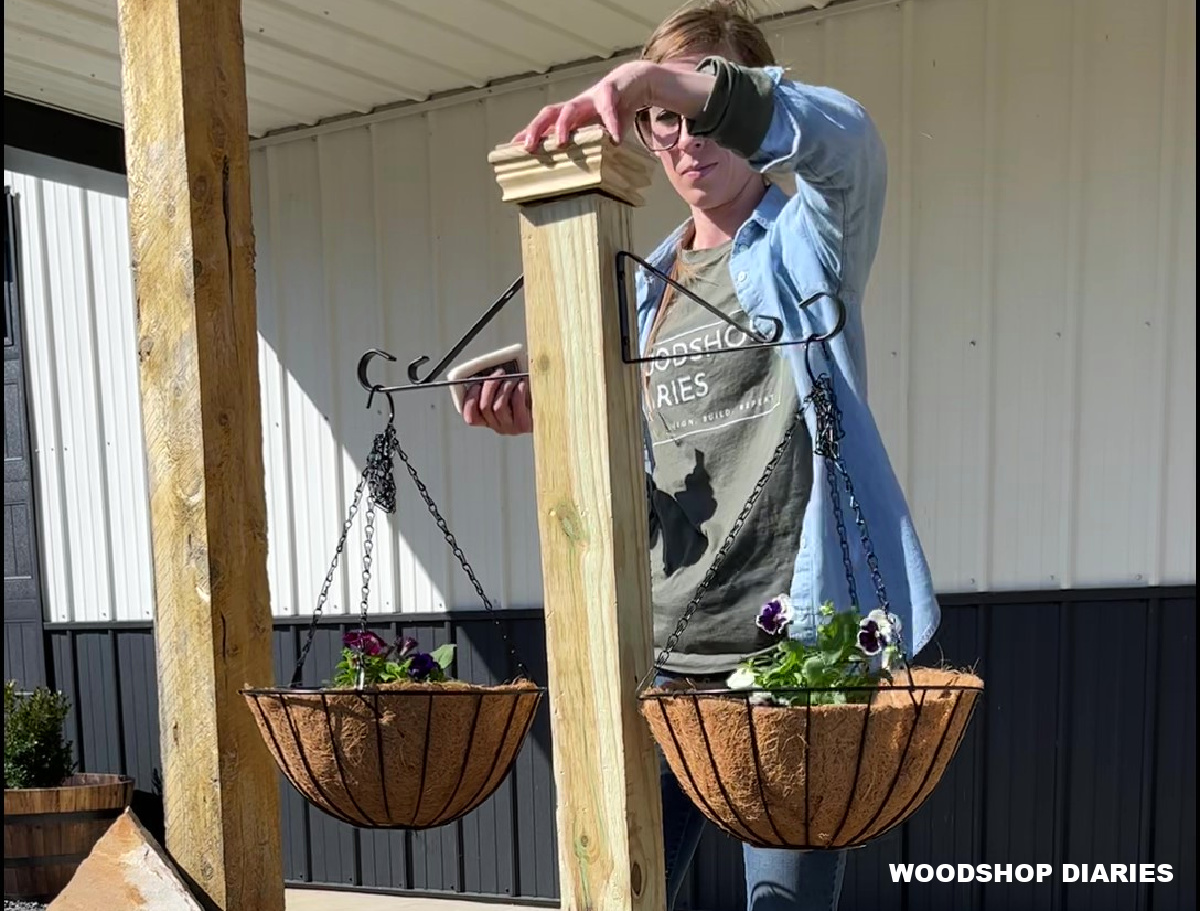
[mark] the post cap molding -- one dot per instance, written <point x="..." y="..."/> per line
<point x="589" y="162"/>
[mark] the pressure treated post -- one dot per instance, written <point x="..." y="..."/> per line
<point x="574" y="217"/>
<point x="187" y="154"/>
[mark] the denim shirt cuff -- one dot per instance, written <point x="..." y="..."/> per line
<point x="738" y="111"/>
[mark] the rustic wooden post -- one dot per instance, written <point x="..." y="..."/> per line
<point x="574" y="217"/>
<point x="187" y="153"/>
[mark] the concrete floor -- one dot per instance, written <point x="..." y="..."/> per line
<point x="315" y="900"/>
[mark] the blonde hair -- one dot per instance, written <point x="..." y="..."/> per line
<point x="724" y="28"/>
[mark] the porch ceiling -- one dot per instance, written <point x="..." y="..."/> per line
<point x="309" y="60"/>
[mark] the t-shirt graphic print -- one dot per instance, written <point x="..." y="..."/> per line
<point x="714" y="423"/>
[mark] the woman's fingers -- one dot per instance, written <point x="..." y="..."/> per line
<point x="488" y="389"/>
<point x="487" y="398"/>
<point x="522" y="413"/>
<point x="563" y="123"/>
<point x="537" y="127"/>
<point x="502" y="405"/>
<point x="564" y="119"/>
<point x="471" y="412"/>
<point x="576" y="113"/>
<point x="610" y="102"/>
<point x="606" y="104"/>
<point x="502" y="411"/>
<point x="496" y="404"/>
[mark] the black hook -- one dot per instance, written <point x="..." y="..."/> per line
<point x="430" y="380"/>
<point x="374" y="388"/>
<point x="489" y="314"/>
<point x="774" y="341"/>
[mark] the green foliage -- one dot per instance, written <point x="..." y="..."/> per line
<point x="383" y="663"/>
<point x="36" y="755"/>
<point x="836" y="670"/>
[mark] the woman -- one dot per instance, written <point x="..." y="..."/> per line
<point x="708" y="100"/>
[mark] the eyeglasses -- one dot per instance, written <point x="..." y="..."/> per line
<point x="658" y="129"/>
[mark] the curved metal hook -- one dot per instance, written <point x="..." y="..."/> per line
<point x="415" y="366"/>
<point x="373" y="388"/>
<point x="459" y="346"/>
<point x="818" y="338"/>
<point x="838" y="325"/>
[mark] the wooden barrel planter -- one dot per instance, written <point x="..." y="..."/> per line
<point x="807" y="776"/>
<point x="396" y="756"/>
<point x="49" y="831"/>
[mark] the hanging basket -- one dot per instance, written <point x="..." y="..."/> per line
<point x="810" y="776"/>
<point x="396" y="756"/>
<point x="419" y="750"/>
<point x="796" y="765"/>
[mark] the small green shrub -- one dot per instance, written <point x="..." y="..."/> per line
<point x="36" y="755"/>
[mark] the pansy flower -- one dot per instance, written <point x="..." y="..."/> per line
<point x="365" y="642"/>
<point x="878" y="630"/>
<point x="421" y="665"/>
<point x="741" y="679"/>
<point x="775" y="615"/>
<point x="405" y="646"/>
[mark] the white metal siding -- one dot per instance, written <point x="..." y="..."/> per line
<point x="80" y="325"/>
<point x="1030" y="318"/>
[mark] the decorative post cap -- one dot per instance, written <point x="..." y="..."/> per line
<point x="589" y="162"/>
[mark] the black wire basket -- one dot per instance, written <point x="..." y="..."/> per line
<point x="812" y="776"/>
<point x="811" y="768"/>
<point x="396" y="756"/>
<point x="410" y="754"/>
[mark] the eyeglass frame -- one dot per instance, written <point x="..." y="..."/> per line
<point x="641" y="137"/>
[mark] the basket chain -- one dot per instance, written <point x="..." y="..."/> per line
<point x="380" y="487"/>
<point x="828" y="419"/>
<point x="828" y="444"/>
<point x="458" y="553"/>
<point x="673" y="639"/>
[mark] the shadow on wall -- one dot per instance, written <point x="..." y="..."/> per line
<point x="351" y="258"/>
<point x="147" y="806"/>
<point x="395" y="237"/>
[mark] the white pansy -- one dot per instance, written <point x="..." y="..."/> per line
<point x="887" y="625"/>
<point x="741" y="679"/>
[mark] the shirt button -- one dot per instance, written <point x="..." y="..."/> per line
<point x="741" y="277"/>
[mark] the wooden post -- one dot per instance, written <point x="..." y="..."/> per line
<point x="187" y="154"/>
<point x="574" y="217"/>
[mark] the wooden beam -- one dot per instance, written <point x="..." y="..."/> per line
<point x="574" y="217"/>
<point x="187" y="152"/>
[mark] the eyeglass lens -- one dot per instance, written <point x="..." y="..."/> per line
<point x="659" y="128"/>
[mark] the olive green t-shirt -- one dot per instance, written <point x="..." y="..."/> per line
<point x="715" y="423"/>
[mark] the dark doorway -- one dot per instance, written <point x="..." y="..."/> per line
<point x="24" y="645"/>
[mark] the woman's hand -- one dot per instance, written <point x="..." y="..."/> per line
<point x="504" y="405"/>
<point x="614" y="100"/>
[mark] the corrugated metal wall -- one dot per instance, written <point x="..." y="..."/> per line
<point x="81" y="338"/>
<point x="1091" y="763"/>
<point x="1029" y="321"/>
<point x="1030" y="318"/>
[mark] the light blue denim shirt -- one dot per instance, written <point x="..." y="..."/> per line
<point x="823" y="240"/>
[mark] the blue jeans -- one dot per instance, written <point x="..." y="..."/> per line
<point x="775" y="880"/>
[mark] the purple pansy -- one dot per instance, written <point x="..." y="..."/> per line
<point x="421" y="665"/>
<point x="869" y="639"/>
<point x="405" y="646"/>
<point x="775" y="615"/>
<point x="877" y="631"/>
<point x="365" y="642"/>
